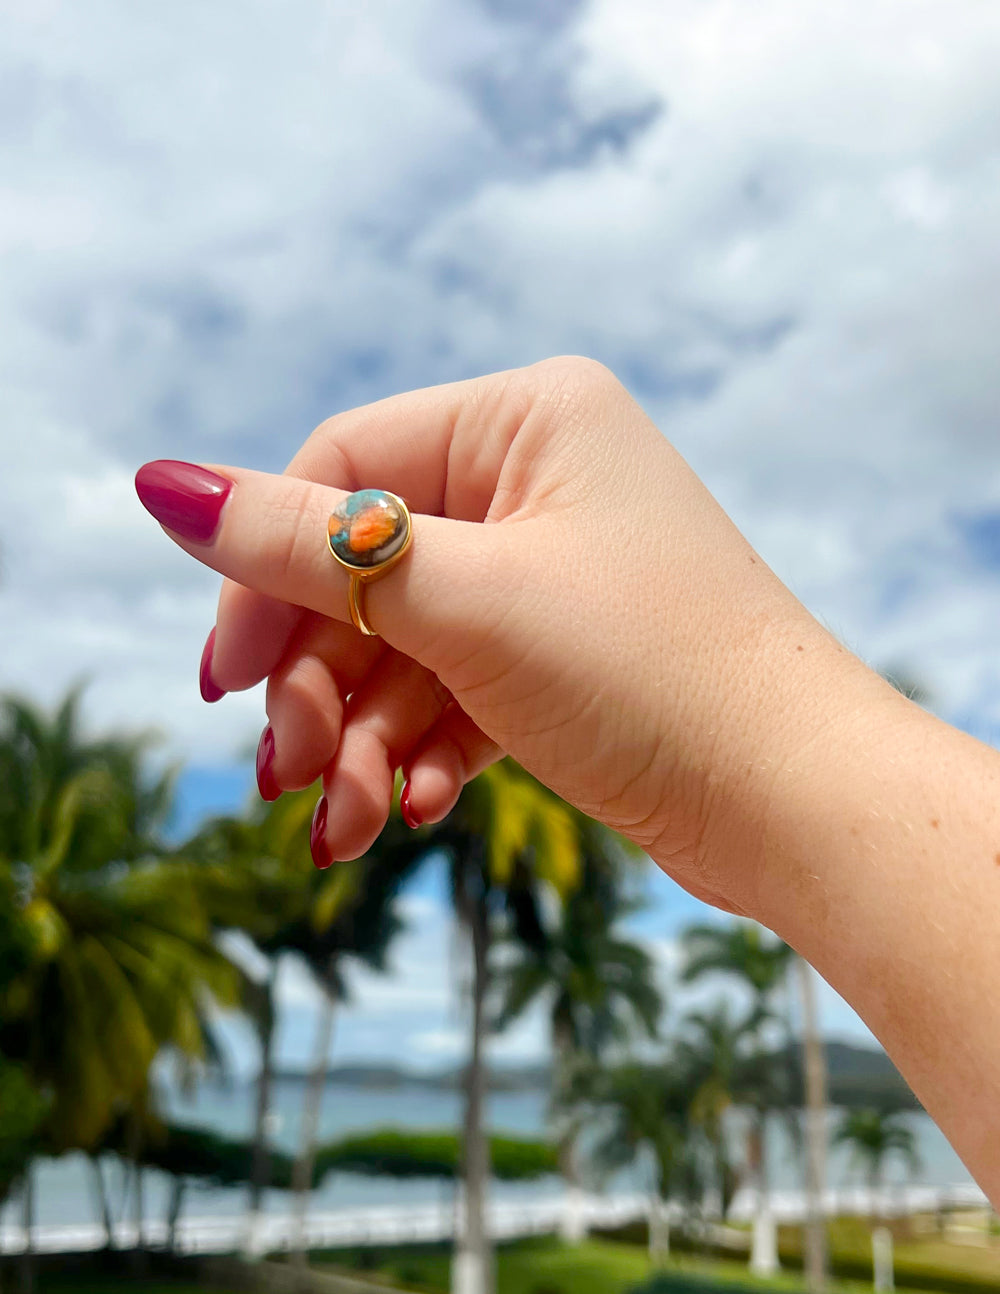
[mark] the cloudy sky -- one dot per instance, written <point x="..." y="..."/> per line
<point x="220" y="223"/>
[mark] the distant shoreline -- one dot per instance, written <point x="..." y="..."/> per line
<point x="857" y="1076"/>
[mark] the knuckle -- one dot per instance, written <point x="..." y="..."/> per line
<point x="294" y="540"/>
<point x="571" y="388"/>
<point x="578" y="373"/>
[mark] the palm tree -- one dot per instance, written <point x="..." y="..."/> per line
<point x="744" y="951"/>
<point x="285" y="905"/>
<point x="600" y="985"/>
<point x="873" y="1135"/>
<point x="814" y="1065"/>
<point x="352" y="918"/>
<point x="255" y="877"/>
<point x="506" y="834"/>
<point x="712" y="1046"/>
<point x="122" y="962"/>
<point x="643" y="1112"/>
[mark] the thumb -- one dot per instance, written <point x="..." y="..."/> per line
<point x="269" y="533"/>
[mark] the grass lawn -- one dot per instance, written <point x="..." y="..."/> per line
<point x="65" y="1284"/>
<point x="549" y="1267"/>
<point x="923" y="1255"/>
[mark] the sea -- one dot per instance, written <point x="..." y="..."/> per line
<point x="64" y="1189"/>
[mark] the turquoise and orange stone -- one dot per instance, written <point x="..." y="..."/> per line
<point x="367" y="529"/>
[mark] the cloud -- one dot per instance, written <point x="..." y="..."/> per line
<point x="206" y="239"/>
<point x="777" y="222"/>
<point x="777" y="225"/>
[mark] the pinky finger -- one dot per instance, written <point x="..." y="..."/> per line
<point x="453" y="752"/>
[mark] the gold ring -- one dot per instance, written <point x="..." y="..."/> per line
<point x="368" y="533"/>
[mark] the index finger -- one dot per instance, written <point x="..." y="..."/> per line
<point x="440" y="448"/>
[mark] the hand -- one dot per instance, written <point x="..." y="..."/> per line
<point x="573" y="597"/>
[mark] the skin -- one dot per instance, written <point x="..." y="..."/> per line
<point x="574" y="597"/>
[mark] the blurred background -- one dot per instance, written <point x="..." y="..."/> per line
<point x="220" y="224"/>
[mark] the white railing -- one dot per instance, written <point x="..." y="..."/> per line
<point x="388" y="1224"/>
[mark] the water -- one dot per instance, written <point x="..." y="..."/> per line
<point x="64" y="1190"/>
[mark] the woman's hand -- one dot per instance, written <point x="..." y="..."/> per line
<point x="573" y="597"/>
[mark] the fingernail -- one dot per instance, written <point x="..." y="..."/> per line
<point x="266" y="783"/>
<point x="318" y="847"/>
<point x="184" y="497"/>
<point x="210" y="690"/>
<point x="409" y="817"/>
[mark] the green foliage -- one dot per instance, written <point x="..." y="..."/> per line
<point x="108" y="954"/>
<point x="602" y="985"/>
<point x="692" y="1283"/>
<point x="393" y="1153"/>
<point x="192" y="1152"/>
<point x="22" y="1110"/>
<point x="873" y="1136"/>
<point x="643" y="1109"/>
<point x="742" y="949"/>
<point x="518" y="820"/>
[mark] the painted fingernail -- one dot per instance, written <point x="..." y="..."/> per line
<point x="409" y="817"/>
<point x="318" y="847"/>
<point x="184" y="497"/>
<point x="266" y="782"/>
<point x="210" y="690"/>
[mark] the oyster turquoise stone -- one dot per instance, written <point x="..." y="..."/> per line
<point x="367" y="529"/>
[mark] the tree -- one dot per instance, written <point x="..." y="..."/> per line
<point x="600" y="986"/>
<point x="120" y="957"/>
<point x="873" y="1135"/>
<point x="506" y="835"/>
<point x="642" y="1111"/>
<point x="353" y="918"/>
<point x="814" y="1066"/>
<point x="744" y="951"/>
<point x="284" y="905"/>
<point x="712" y="1047"/>
<point x="255" y="876"/>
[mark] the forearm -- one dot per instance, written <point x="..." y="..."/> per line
<point x="881" y="866"/>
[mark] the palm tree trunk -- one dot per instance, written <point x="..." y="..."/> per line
<point x="882" y="1261"/>
<point x="720" y="1166"/>
<point x="659" y="1230"/>
<point x="302" y="1172"/>
<point x="174" y="1213"/>
<point x="816" y="1261"/>
<point x="764" y="1246"/>
<point x="103" y="1203"/>
<point x="138" y="1262"/>
<point x="260" y="1172"/>
<point x="573" y="1227"/>
<point x="472" y="1264"/>
<point x="28" y="1222"/>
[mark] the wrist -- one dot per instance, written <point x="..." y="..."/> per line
<point x="842" y="797"/>
<point x="813" y="715"/>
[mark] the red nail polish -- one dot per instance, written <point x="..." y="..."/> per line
<point x="210" y="690"/>
<point x="318" y="847"/>
<point x="409" y="817"/>
<point x="266" y="782"/>
<point x="184" y="497"/>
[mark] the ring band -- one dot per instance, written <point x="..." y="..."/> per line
<point x="367" y="534"/>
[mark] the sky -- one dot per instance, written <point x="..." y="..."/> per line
<point x="221" y="223"/>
